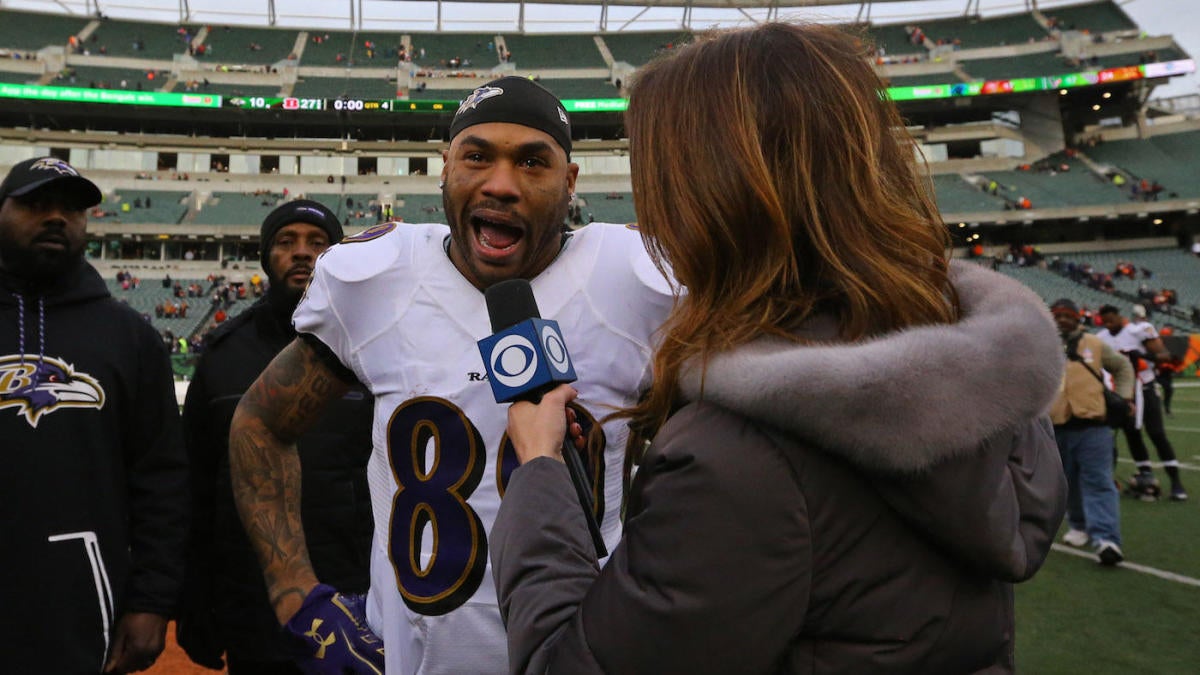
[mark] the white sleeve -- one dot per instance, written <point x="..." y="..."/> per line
<point x="317" y="315"/>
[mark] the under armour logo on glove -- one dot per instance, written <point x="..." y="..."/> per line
<point x="332" y="635"/>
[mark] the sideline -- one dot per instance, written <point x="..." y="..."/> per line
<point x="1158" y="465"/>
<point x="1143" y="569"/>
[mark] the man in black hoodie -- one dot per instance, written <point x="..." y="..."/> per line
<point x="93" y="496"/>
<point x="225" y="606"/>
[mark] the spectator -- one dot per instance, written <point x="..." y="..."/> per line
<point x="95" y="478"/>
<point x="225" y="608"/>
<point x="1139" y="342"/>
<point x="1085" y="443"/>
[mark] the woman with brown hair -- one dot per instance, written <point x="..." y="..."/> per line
<point x="850" y="458"/>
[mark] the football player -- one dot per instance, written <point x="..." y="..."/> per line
<point x="1140" y="342"/>
<point x="399" y="308"/>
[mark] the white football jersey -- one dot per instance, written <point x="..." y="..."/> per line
<point x="1132" y="338"/>
<point x="394" y="309"/>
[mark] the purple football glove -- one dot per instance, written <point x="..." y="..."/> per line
<point x="334" y="638"/>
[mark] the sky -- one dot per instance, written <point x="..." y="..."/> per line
<point x="1157" y="17"/>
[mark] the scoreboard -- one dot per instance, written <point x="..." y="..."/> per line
<point x="338" y="104"/>
<point x="1060" y="82"/>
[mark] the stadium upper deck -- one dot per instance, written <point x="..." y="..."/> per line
<point x="267" y="61"/>
<point x="969" y="140"/>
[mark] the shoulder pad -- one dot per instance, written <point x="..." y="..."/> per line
<point x="366" y="254"/>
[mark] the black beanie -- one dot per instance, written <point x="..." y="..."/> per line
<point x="298" y="211"/>
<point x="517" y="100"/>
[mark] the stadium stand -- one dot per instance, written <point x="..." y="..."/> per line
<point x="1172" y="268"/>
<point x="367" y="50"/>
<point x="138" y="39"/>
<point x="993" y="31"/>
<point x="921" y="80"/>
<point x="454" y="94"/>
<point x="96" y="77"/>
<point x="895" y="40"/>
<point x="1051" y="286"/>
<point x="554" y="51"/>
<point x="419" y="209"/>
<point x="150" y="293"/>
<point x="32" y="30"/>
<point x="18" y="78"/>
<point x="1137" y="58"/>
<point x="1095" y="17"/>
<point x="352" y="87"/>
<point x="581" y="88"/>
<point x="608" y="208"/>
<point x="130" y="206"/>
<point x="1055" y="188"/>
<point x="362" y="203"/>
<point x="440" y="48"/>
<point x="1027" y="65"/>
<point x="235" y="208"/>
<point x="227" y="44"/>
<point x="239" y="90"/>
<point x="955" y="195"/>
<point x="1169" y="159"/>
<point x="639" y="48"/>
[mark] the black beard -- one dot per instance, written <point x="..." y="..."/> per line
<point x="282" y="297"/>
<point x="38" y="267"/>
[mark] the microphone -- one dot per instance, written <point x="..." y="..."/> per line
<point x="525" y="357"/>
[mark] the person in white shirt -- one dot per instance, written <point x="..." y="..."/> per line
<point x="1140" y="343"/>
<point x="399" y="308"/>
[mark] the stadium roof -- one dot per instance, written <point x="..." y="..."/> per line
<point x="524" y="15"/>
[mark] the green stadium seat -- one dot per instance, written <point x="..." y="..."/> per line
<point x="955" y="195"/>
<point x="640" y="48"/>
<point x="32" y="31"/>
<point x="227" y="44"/>
<point x="157" y="40"/>
<point x="1095" y="17"/>
<point x="894" y="40"/>
<point x="975" y="32"/>
<point x="351" y="87"/>
<point x="580" y="88"/>
<point x="353" y="49"/>
<point x="441" y="47"/>
<point x="131" y="79"/>
<point x="608" y="208"/>
<point x="554" y="51"/>
<point x="1029" y="65"/>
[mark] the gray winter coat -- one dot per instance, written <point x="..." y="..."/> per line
<point x="829" y="508"/>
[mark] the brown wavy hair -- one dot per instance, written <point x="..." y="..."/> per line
<point x="776" y="182"/>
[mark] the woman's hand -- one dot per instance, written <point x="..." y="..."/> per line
<point x="538" y="430"/>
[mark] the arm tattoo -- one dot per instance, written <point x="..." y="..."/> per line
<point x="265" y="467"/>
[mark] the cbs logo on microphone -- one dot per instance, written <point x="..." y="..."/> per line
<point x="527" y="356"/>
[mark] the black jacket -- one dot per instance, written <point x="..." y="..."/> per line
<point x="225" y="604"/>
<point x="93" y="495"/>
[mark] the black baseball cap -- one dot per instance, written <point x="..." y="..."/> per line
<point x="516" y="100"/>
<point x="33" y="174"/>
<point x="298" y="211"/>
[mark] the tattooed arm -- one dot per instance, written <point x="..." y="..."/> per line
<point x="265" y="466"/>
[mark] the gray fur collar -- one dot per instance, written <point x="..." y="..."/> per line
<point x="908" y="400"/>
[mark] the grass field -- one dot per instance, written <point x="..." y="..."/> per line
<point x="1078" y="617"/>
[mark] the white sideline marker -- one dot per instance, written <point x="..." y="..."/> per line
<point x="1152" y="571"/>
<point x="1183" y="465"/>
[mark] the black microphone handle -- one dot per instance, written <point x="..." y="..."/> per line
<point x="584" y="493"/>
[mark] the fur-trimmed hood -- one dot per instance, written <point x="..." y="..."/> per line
<point x="905" y="401"/>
